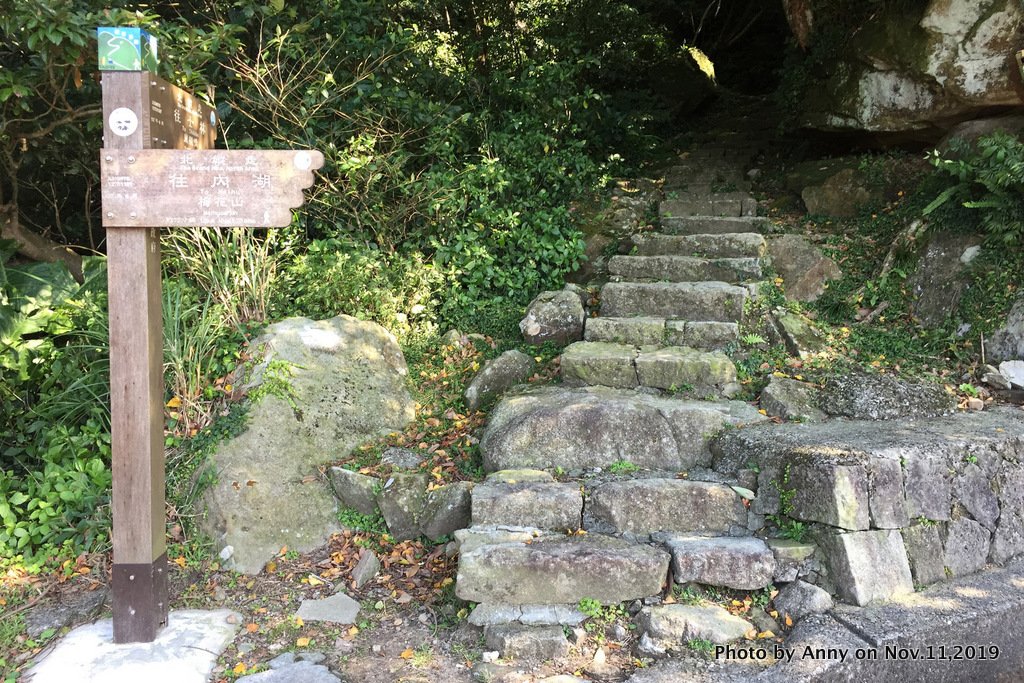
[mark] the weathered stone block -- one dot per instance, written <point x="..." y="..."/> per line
<point x="401" y="501"/>
<point x="924" y="551"/>
<point x="740" y="563"/>
<point x="928" y="488"/>
<point x="829" y="492"/>
<point x="973" y="490"/>
<point x="576" y="429"/>
<point x="883" y="397"/>
<point x="562" y="570"/>
<point x="553" y="316"/>
<point x="498" y="376"/>
<point x="635" y="331"/>
<point x="643" y="506"/>
<point x="685" y="369"/>
<point x="446" y="509"/>
<point x="867" y="566"/>
<point x="541" y="505"/>
<point x="800" y="599"/>
<point x="529" y="643"/>
<point x="354" y="490"/>
<point x="791" y="399"/>
<point x="966" y="547"/>
<point x="885" y="492"/>
<point x="673" y="626"/>
<point x="599" y="363"/>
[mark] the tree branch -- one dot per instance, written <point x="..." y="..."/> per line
<point x="34" y="245"/>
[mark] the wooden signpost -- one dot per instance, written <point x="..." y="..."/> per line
<point x="158" y="169"/>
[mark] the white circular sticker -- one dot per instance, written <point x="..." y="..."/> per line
<point x="123" y="121"/>
<point x="303" y="161"/>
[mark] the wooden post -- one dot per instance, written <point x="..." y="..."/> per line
<point x="139" y="582"/>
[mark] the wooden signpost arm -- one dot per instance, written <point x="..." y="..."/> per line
<point x="139" y="581"/>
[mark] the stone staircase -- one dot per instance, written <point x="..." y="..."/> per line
<point x="601" y="489"/>
<point x="677" y="300"/>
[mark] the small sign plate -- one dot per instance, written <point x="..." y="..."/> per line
<point x="205" y="188"/>
<point x="178" y="119"/>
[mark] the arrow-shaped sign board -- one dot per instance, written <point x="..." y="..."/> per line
<point x="209" y="188"/>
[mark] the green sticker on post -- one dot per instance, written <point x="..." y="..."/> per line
<point x="126" y="49"/>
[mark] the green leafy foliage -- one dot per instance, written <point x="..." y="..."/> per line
<point x="988" y="178"/>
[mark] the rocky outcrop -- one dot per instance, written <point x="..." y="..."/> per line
<point x="910" y="69"/>
<point x="328" y="386"/>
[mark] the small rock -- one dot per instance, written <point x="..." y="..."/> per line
<point x="974" y="403"/>
<point x="354" y="490"/>
<point x="619" y="632"/>
<point x="365" y="569"/>
<point x="553" y="316"/>
<point x="451" y="337"/>
<point x="245" y="648"/>
<point x="76" y="609"/>
<point x="402" y="458"/>
<point x="285" y="659"/>
<point x="1013" y="371"/>
<point x="226" y="553"/>
<point x="220" y="595"/>
<point x="763" y="621"/>
<point x="498" y="376"/>
<point x="311" y="657"/>
<point x="791" y="399"/>
<point x="800" y="598"/>
<point x="996" y="380"/>
<point x="649" y="647"/>
<point x="489" y="657"/>
<point x="530" y="643"/>
<point x="338" y="609"/>
<point x="401" y="501"/>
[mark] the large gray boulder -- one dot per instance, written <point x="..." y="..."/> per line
<point x="916" y="68"/>
<point x="328" y="386"/>
<point x="595" y="427"/>
<point x="841" y="195"/>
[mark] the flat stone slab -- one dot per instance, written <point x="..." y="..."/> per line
<point x="674" y="268"/>
<point x="337" y="609"/>
<point x="672" y="626"/>
<point x="726" y="245"/>
<point x="681" y="300"/>
<point x="286" y="669"/>
<point x="740" y="563"/>
<point x="472" y="538"/>
<point x="535" y="504"/>
<point x="490" y="614"/>
<point x="711" y="225"/>
<point x="595" y="427"/>
<point x="185" y="651"/>
<point x="562" y="570"/>
<point x="643" y="506"/>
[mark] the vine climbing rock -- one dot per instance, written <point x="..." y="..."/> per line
<point x="322" y="388"/>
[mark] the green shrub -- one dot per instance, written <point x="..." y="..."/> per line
<point x="336" y="276"/>
<point x="988" y="177"/>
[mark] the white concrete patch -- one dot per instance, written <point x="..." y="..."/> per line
<point x="185" y="651"/>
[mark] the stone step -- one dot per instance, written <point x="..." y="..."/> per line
<point x="684" y="268"/>
<point x="724" y="245"/>
<point x="724" y="204"/>
<point x="644" y="506"/>
<point x="575" y="429"/>
<point x="562" y="570"/>
<point x="704" y="335"/>
<point x="504" y="500"/>
<point x="679" y="186"/>
<point x="742" y="563"/>
<point x="623" y="366"/>
<point x="712" y="225"/>
<point x="716" y="301"/>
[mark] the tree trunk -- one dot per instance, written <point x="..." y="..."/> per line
<point x="34" y="245"/>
